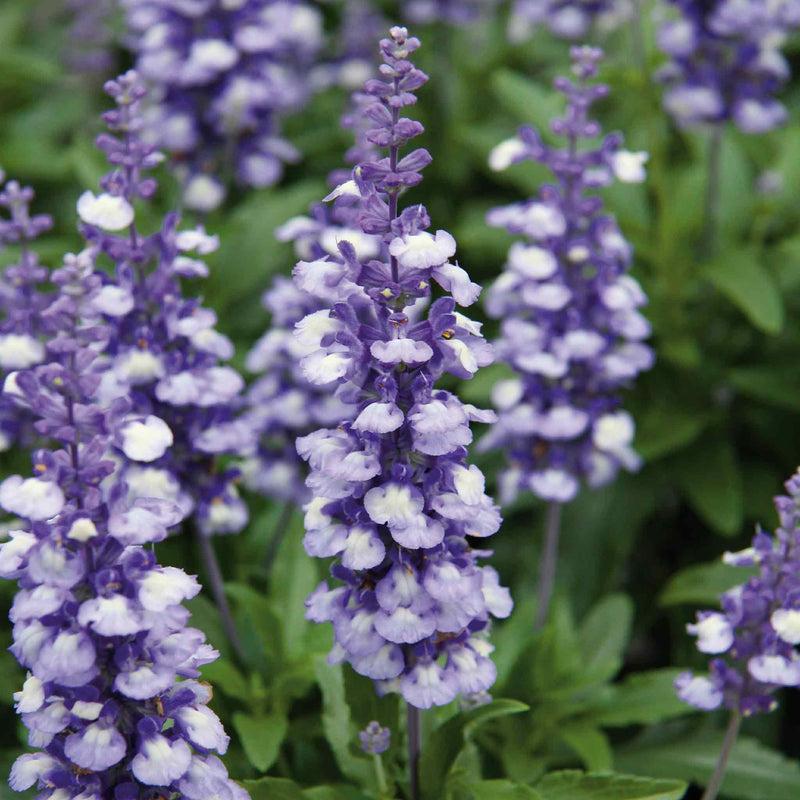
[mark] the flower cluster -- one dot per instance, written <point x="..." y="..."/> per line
<point x="112" y="701"/>
<point x="570" y="324"/>
<point x="223" y="73"/>
<point x="755" y="635"/>
<point x="89" y="47"/>
<point x="375" y="739"/>
<point x="726" y="62"/>
<point x="21" y="302"/>
<point x="450" y="12"/>
<point x="164" y="354"/>
<point x="394" y="499"/>
<point x="566" y="19"/>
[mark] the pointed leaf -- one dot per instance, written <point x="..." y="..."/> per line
<point x="710" y="477"/>
<point x="750" y="286"/>
<point x="702" y="584"/>
<point x="574" y="785"/>
<point x="337" y="722"/>
<point x="261" y="737"/>
<point x="753" y="770"/>
<point x="445" y="743"/>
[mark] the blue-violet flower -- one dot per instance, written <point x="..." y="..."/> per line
<point x="223" y="73"/>
<point x="754" y="637"/>
<point x="394" y="499"/>
<point x="570" y="325"/>
<point x="726" y="62"/>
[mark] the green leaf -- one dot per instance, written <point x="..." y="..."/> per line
<point x="773" y="385"/>
<point x="527" y="101"/>
<point x="501" y="790"/>
<point x="753" y="771"/>
<point x="750" y="286"/>
<point x="702" y="584"/>
<point x="591" y="745"/>
<point x="250" y="254"/>
<point x="337" y="722"/>
<point x="259" y="627"/>
<point x="640" y="699"/>
<point x="273" y="789"/>
<point x="225" y="677"/>
<point x="445" y="743"/>
<point x="710" y="478"/>
<point x="289" y="596"/>
<point x="574" y="785"/>
<point x="604" y="635"/>
<point x="334" y="793"/>
<point x="261" y="737"/>
<point x="662" y="430"/>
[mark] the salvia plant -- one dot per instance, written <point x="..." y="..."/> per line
<point x="754" y="636"/>
<point x="112" y="701"/>
<point x="165" y="355"/>
<point x="570" y="324"/>
<point x="223" y="73"/>
<point x="393" y="495"/>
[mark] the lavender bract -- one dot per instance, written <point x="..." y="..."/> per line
<point x="21" y="303"/>
<point x="726" y="62"/>
<point x="164" y="354"/>
<point x="223" y="73"/>
<point x="755" y="636"/>
<point x="394" y="499"/>
<point x="111" y="700"/>
<point x="566" y="19"/>
<point x="570" y="321"/>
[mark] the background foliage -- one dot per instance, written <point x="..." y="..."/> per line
<point x="718" y="425"/>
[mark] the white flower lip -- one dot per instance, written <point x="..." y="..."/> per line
<point x="506" y="153"/>
<point x="629" y="167"/>
<point x="106" y="211"/>
<point x="147" y="439"/>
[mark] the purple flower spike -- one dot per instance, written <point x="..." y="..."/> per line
<point x="726" y="62"/>
<point x="223" y="72"/>
<point x="754" y="637"/>
<point x="164" y="356"/>
<point x="571" y="326"/>
<point x="566" y="19"/>
<point x="111" y="701"/>
<point x="393" y="498"/>
<point x="21" y="305"/>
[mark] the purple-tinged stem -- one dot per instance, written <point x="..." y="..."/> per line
<point x="414" y="750"/>
<point x="217" y="586"/>
<point x="547" y="573"/>
<point x="727" y="746"/>
<point x="708" y="241"/>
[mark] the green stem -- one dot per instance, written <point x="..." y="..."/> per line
<point x="727" y="745"/>
<point x="380" y="777"/>
<point x="547" y="573"/>
<point x="414" y="750"/>
<point x="708" y="241"/>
